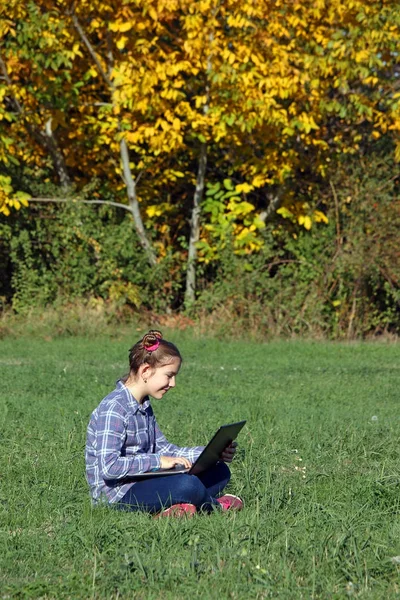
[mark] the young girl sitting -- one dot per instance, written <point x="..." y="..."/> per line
<point x="123" y="440"/>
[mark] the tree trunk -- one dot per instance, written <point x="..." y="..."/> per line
<point x="134" y="204"/>
<point x="195" y="228"/>
<point x="194" y="236"/>
<point x="57" y="157"/>
<point x="275" y="201"/>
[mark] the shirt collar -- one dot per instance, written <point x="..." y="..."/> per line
<point x="132" y="402"/>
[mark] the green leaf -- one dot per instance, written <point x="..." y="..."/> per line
<point x="228" y="184"/>
<point x="213" y="189"/>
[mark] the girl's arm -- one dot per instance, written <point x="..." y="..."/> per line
<point x="110" y="437"/>
<point x="163" y="446"/>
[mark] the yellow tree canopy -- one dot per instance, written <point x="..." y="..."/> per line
<point x="273" y="88"/>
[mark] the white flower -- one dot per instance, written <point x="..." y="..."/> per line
<point x="395" y="560"/>
<point x="350" y="588"/>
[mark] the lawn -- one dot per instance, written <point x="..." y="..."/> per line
<point x="318" y="468"/>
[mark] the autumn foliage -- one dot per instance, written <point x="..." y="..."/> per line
<point x="203" y="120"/>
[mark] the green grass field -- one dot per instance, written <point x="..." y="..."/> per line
<point x="318" y="468"/>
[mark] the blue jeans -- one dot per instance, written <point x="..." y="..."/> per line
<point x="155" y="493"/>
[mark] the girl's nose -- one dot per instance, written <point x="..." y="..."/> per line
<point x="172" y="382"/>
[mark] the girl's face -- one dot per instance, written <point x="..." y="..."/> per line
<point x="161" y="379"/>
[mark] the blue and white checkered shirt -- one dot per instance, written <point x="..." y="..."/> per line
<point x="123" y="439"/>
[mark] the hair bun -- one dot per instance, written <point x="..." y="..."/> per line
<point x="151" y="338"/>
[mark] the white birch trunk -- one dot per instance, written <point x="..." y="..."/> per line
<point x="195" y="228"/>
<point x="134" y="204"/>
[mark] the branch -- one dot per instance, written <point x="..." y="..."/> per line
<point x="96" y="104"/>
<point x="92" y="53"/>
<point x="109" y="202"/>
<point x="46" y="138"/>
<point x="6" y="76"/>
<point x="337" y="214"/>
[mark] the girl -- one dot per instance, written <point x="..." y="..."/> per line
<point x="123" y="439"/>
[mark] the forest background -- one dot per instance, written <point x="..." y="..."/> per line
<point x="235" y="162"/>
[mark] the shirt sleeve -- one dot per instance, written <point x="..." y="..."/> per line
<point x="164" y="447"/>
<point x="111" y="434"/>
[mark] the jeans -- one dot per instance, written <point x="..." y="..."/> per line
<point x="155" y="493"/>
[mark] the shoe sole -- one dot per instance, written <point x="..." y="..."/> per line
<point x="178" y="511"/>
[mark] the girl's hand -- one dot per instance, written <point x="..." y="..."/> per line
<point x="229" y="452"/>
<point x="169" y="462"/>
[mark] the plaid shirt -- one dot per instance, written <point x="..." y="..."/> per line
<point x="123" y="439"/>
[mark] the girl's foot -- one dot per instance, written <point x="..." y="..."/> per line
<point x="178" y="510"/>
<point x="230" y="502"/>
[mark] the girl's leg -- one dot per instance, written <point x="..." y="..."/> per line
<point x="215" y="479"/>
<point x="155" y="493"/>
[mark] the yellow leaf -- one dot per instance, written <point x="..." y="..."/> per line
<point x="75" y="49"/>
<point x="242" y="234"/>
<point x="153" y="14"/>
<point x="259" y="181"/>
<point x="121" y="43"/>
<point x="153" y="211"/>
<point x="122" y="27"/>
<point x="200" y="100"/>
<point x="319" y="217"/>
<point x="244" y="187"/>
<point x="362" y="56"/>
<point x="285" y="213"/>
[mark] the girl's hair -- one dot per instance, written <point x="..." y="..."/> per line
<point x="153" y="350"/>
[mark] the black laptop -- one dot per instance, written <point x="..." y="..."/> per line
<point x="208" y="458"/>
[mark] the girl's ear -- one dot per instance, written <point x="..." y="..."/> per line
<point x="144" y="371"/>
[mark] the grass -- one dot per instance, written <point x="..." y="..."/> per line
<point x="318" y="467"/>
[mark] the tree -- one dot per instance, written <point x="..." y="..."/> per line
<point x="147" y="94"/>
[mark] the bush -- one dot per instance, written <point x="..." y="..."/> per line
<point x="63" y="253"/>
<point x="339" y="280"/>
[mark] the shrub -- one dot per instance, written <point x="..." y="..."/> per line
<point x="337" y="280"/>
<point x="64" y="253"/>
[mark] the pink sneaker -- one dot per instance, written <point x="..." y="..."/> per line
<point x="230" y="502"/>
<point x="178" y="510"/>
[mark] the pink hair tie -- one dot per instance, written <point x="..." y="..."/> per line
<point x="153" y="347"/>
